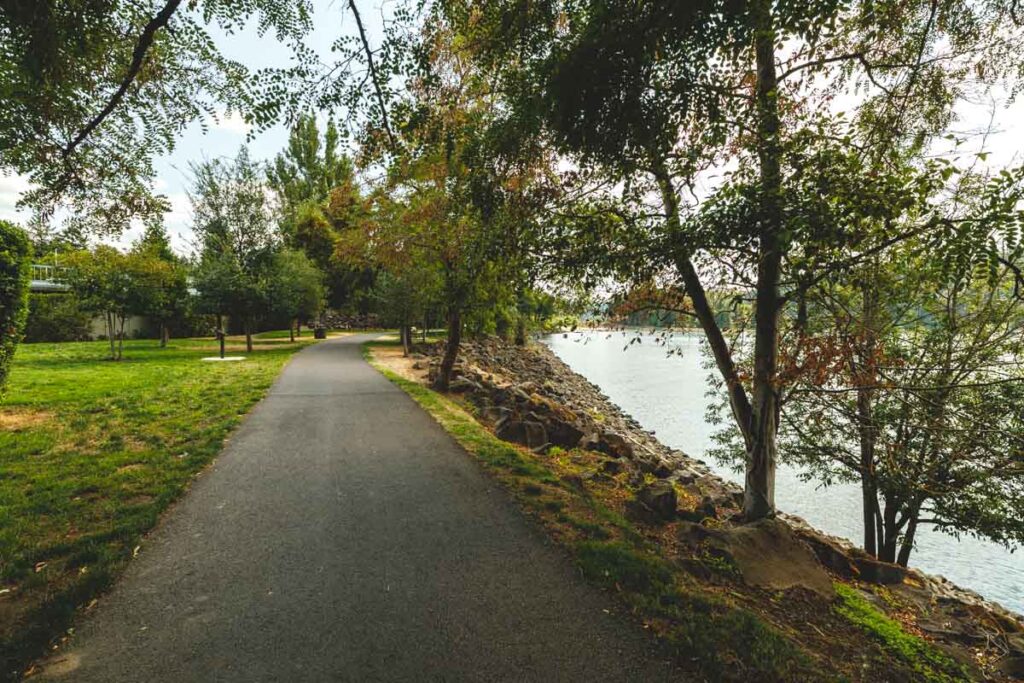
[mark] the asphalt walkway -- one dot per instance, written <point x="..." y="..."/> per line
<point x="342" y="535"/>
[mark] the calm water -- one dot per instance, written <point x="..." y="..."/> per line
<point x="667" y="394"/>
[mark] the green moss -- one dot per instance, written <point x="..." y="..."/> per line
<point x="613" y="564"/>
<point x="924" y="658"/>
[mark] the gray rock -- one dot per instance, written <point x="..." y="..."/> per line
<point x="766" y="553"/>
<point x="527" y="433"/>
<point x="562" y="433"/>
<point x="462" y="385"/>
<point x="659" y="497"/>
<point x="615" y="445"/>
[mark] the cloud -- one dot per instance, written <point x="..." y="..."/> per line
<point x="11" y="188"/>
<point x="231" y="122"/>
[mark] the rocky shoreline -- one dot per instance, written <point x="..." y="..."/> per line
<point x="529" y="396"/>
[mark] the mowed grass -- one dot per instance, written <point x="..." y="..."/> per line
<point x="91" y="452"/>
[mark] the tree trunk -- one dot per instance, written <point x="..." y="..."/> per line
<point x="110" y="335"/>
<point x="165" y="335"/>
<point x="120" y="337"/>
<point x="759" y="492"/>
<point x="865" y="377"/>
<point x="907" y="543"/>
<point x="405" y="331"/>
<point x="521" y="330"/>
<point x="291" y="329"/>
<point x="738" y="401"/>
<point x="891" y="531"/>
<point x="451" y="350"/>
<point x="248" y="335"/>
<point x="298" y="327"/>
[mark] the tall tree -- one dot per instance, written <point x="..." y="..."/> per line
<point x="320" y="199"/>
<point x="653" y="96"/>
<point x="164" y="276"/>
<point x="308" y="170"/>
<point x="295" y="288"/>
<point x="234" y="221"/>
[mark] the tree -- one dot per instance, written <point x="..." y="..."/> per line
<point x="650" y="97"/>
<point x="94" y="91"/>
<point x="15" y="267"/>
<point x="320" y="199"/>
<point x="234" y="224"/>
<point x="405" y="295"/>
<point x="104" y="283"/>
<point x="912" y="386"/>
<point x="295" y="288"/>
<point x="307" y="171"/>
<point x="163" y="276"/>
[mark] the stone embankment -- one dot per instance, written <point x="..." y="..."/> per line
<point x="528" y="396"/>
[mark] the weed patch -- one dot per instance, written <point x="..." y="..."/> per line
<point x="923" y="657"/>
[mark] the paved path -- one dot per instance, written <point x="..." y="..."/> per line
<point x="343" y="536"/>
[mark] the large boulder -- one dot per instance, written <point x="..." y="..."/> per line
<point x="876" y="571"/>
<point x="562" y="433"/>
<point x="766" y="554"/>
<point x="660" y="498"/>
<point x="527" y="433"/>
<point x="615" y="445"/>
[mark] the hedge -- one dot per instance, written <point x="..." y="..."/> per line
<point x="15" y="269"/>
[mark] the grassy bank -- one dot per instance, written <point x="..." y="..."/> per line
<point x="92" y="451"/>
<point x="715" y="626"/>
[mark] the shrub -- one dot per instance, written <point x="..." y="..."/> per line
<point x="56" y="318"/>
<point x="15" y="263"/>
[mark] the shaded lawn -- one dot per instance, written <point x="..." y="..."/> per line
<point x="91" y="451"/>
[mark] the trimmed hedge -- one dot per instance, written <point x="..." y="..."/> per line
<point x="15" y="269"/>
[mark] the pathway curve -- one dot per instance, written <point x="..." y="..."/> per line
<point x="342" y="535"/>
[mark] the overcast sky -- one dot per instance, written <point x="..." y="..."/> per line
<point x="331" y="19"/>
<point x="224" y="137"/>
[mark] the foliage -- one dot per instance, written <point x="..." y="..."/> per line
<point x="911" y="382"/>
<point x="104" y="449"/>
<point x="94" y="91"/>
<point x="651" y="99"/>
<point x="56" y="318"/>
<point x="163" y="279"/>
<point x="117" y="285"/>
<point x="295" y="286"/>
<point x="307" y="171"/>
<point x="234" y="222"/>
<point x="15" y="262"/>
<point x="925" y="659"/>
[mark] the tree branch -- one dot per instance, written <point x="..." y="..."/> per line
<point x="138" y="57"/>
<point x="375" y="76"/>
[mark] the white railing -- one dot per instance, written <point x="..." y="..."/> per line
<point x="47" y="278"/>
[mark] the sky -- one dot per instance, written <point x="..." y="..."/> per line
<point x="332" y="18"/>
<point x="225" y="136"/>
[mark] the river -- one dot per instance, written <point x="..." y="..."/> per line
<point x="667" y="394"/>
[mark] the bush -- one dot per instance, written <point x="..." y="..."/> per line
<point x="15" y="266"/>
<point x="56" y="318"/>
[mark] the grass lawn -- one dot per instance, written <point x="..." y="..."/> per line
<point x="92" y="451"/>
